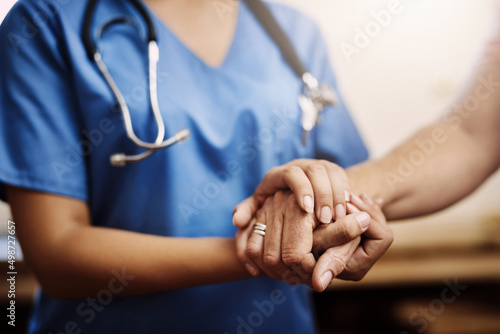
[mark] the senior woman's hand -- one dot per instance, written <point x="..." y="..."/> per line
<point x="285" y="252"/>
<point x="377" y="238"/>
<point x="374" y="243"/>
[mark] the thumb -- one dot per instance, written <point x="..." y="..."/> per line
<point x="243" y="212"/>
<point x="331" y="264"/>
<point x="342" y="231"/>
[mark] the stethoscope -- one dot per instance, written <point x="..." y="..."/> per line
<point x="314" y="98"/>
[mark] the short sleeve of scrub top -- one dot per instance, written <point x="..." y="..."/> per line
<point x="59" y="124"/>
<point x="39" y="121"/>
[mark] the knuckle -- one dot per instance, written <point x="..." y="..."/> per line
<point x="253" y="250"/>
<point x="308" y="222"/>
<point x="297" y="161"/>
<point x="292" y="175"/>
<point x="330" y="165"/>
<point x="273" y="171"/>
<point x="338" y="193"/>
<point x="268" y="201"/>
<point x="280" y="196"/>
<point x="346" y="233"/>
<point x="241" y="255"/>
<point x="389" y="236"/>
<point x="291" y="203"/>
<point x="339" y="262"/>
<point x="291" y="257"/>
<point x="277" y="205"/>
<point x="292" y="170"/>
<point x="324" y="195"/>
<point x="271" y="260"/>
<point x="315" y="168"/>
<point x="358" y="277"/>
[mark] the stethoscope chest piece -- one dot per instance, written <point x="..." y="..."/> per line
<point x="314" y="99"/>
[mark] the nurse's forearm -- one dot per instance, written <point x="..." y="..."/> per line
<point x="74" y="259"/>
<point x="91" y="257"/>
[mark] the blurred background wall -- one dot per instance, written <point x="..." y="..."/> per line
<point x="407" y="75"/>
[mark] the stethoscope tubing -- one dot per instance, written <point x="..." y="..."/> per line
<point x="153" y="56"/>
<point x="120" y="159"/>
<point x="313" y="100"/>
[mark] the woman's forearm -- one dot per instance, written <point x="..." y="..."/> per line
<point x="435" y="168"/>
<point x="91" y="257"/>
<point x="73" y="258"/>
<point x="446" y="161"/>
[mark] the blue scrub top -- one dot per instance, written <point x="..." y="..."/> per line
<point x="59" y="124"/>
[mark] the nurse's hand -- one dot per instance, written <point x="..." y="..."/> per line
<point x="286" y="250"/>
<point x="319" y="186"/>
<point x="374" y="243"/>
<point x="337" y="243"/>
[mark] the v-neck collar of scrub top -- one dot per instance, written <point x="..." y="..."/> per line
<point x="230" y="51"/>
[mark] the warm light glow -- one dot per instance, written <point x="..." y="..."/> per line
<point x="5" y="6"/>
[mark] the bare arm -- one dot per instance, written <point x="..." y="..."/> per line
<point x="444" y="162"/>
<point x="433" y="169"/>
<point x="71" y="258"/>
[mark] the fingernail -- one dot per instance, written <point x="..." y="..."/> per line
<point x="352" y="208"/>
<point x="339" y="211"/>
<point x="308" y="204"/>
<point x="326" y="279"/>
<point x="379" y="201"/>
<point x="347" y="196"/>
<point x="326" y="215"/>
<point x="363" y="219"/>
<point x="367" y="198"/>
<point x="356" y="197"/>
<point x="251" y="269"/>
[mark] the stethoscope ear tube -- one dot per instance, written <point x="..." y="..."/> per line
<point x="121" y="159"/>
<point x="88" y="40"/>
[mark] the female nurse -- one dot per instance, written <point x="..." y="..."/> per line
<point x="149" y="247"/>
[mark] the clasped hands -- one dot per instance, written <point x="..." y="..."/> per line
<point x="315" y="229"/>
